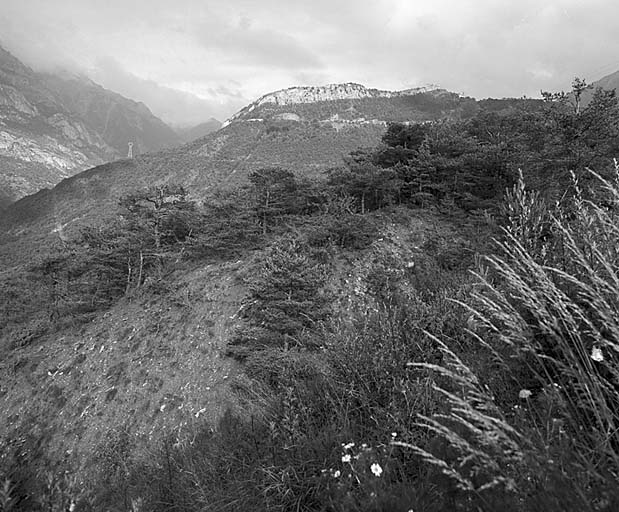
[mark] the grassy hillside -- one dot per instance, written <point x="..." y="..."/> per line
<point x="289" y="343"/>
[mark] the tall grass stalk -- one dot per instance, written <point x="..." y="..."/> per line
<point x="546" y="309"/>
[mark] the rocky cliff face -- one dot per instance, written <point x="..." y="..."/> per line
<point x="332" y="92"/>
<point x="52" y="127"/>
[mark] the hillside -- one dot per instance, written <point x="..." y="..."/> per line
<point x="289" y="344"/>
<point x="140" y="366"/>
<point x="308" y="138"/>
<point x="52" y="127"/>
<point x="118" y="119"/>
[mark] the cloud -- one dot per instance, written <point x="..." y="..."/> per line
<point x="174" y="106"/>
<point x="228" y="51"/>
<point x="261" y="47"/>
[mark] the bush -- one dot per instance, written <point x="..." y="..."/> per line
<point x="337" y="225"/>
<point x="286" y="302"/>
<point x="227" y="229"/>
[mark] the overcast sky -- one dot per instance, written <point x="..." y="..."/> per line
<point x="192" y="59"/>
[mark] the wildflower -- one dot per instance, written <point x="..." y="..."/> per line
<point x="346" y="458"/>
<point x="348" y="446"/>
<point x="336" y="473"/>
<point x="376" y="469"/>
<point x="596" y="354"/>
<point x="394" y="434"/>
<point x="524" y="394"/>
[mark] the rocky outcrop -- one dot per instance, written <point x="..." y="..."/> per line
<point x="44" y="150"/>
<point x="331" y="92"/>
<point x="12" y="99"/>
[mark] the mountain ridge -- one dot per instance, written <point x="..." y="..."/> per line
<point x="330" y="92"/>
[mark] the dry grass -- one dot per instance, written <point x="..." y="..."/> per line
<point x="546" y="311"/>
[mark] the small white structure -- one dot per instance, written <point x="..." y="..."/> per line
<point x="130" y="154"/>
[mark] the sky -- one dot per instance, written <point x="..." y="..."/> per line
<point x="189" y="60"/>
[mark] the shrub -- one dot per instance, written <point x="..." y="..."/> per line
<point x="227" y="229"/>
<point x="337" y="225"/>
<point x="286" y="302"/>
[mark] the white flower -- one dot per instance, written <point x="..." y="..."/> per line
<point x="597" y="355"/>
<point x="346" y="458"/>
<point x="524" y="394"/>
<point x="336" y="474"/>
<point x="348" y="446"/>
<point x="376" y="469"/>
<point x="394" y="434"/>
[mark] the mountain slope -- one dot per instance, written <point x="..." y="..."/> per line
<point x="52" y="127"/>
<point x="140" y="366"/>
<point x="307" y="137"/>
<point x="119" y="120"/>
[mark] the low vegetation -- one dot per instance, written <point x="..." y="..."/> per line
<point x="381" y="373"/>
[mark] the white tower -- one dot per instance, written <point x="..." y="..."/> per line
<point x="130" y="155"/>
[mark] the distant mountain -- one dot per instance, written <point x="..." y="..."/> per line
<point x="191" y="133"/>
<point x="52" y="127"/>
<point x="274" y="103"/>
<point x="117" y="119"/>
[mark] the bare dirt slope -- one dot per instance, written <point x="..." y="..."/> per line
<point x="145" y="365"/>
